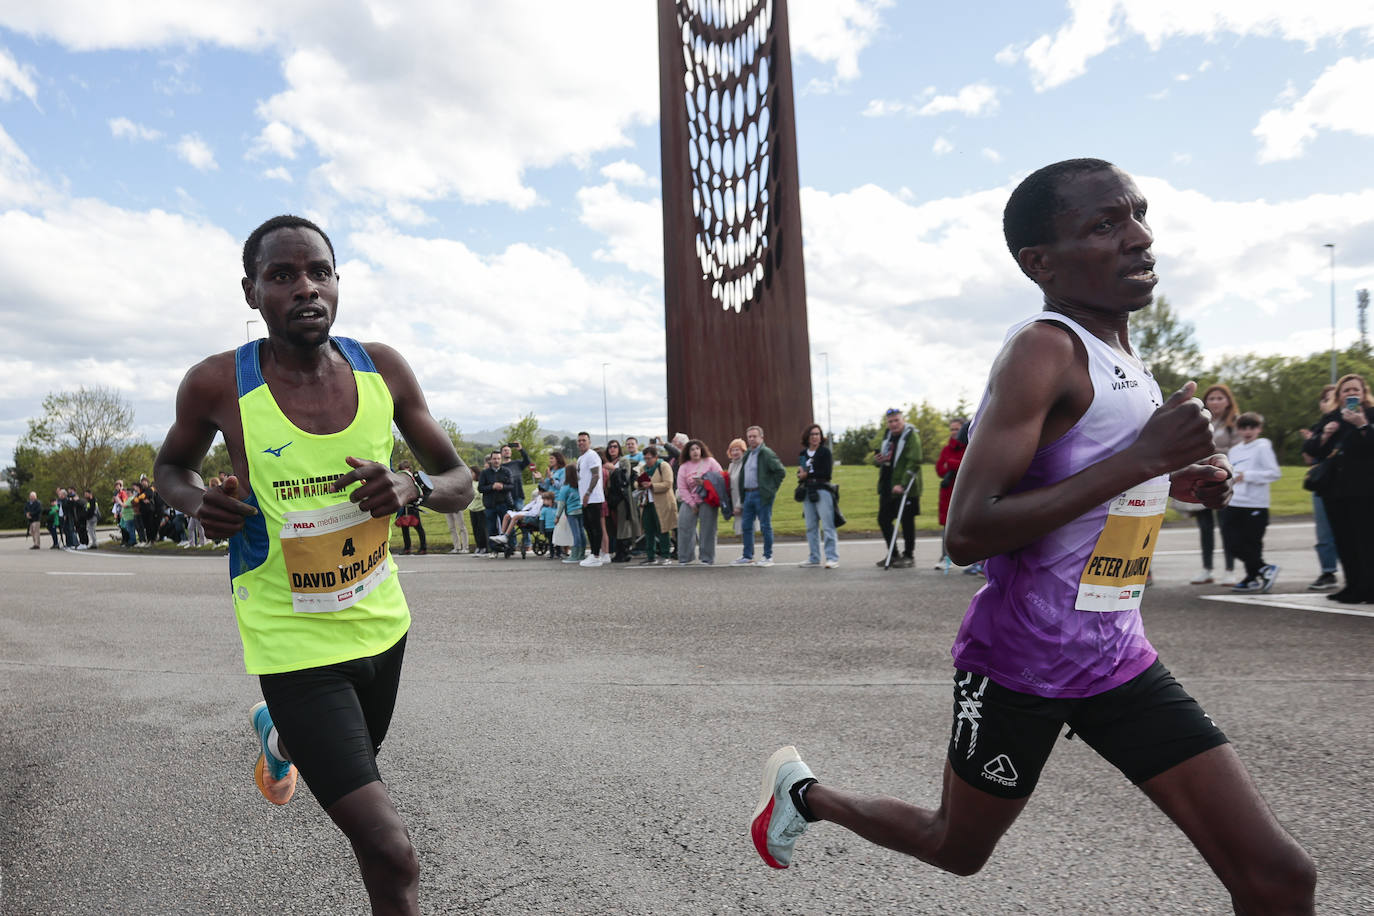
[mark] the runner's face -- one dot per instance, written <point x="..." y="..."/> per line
<point x="294" y="286"/>
<point x="1102" y="259"/>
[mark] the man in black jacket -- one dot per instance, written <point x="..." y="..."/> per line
<point x="497" y="489"/>
<point x="516" y="468"/>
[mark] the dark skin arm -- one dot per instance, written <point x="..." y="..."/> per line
<point x="384" y="491"/>
<point x="1038" y="389"/>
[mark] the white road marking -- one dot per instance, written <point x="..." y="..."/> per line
<point x="1325" y="607"/>
<point x="65" y="573"/>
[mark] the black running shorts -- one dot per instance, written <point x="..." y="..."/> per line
<point x="1001" y="739"/>
<point x="332" y="719"/>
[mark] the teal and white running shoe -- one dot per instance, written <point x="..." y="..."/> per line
<point x="777" y="823"/>
<point x="276" y="778"/>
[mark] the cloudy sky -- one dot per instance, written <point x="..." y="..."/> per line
<point x="489" y="173"/>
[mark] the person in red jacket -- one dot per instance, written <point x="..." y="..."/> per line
<point x="946" y="467"/>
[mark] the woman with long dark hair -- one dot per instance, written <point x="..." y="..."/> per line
<point x="814" y="469"/>
<point x="1344" y="441"/>
<point x="1221" y="404"/>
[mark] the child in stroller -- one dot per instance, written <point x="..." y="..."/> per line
<point x="526" y="521"/>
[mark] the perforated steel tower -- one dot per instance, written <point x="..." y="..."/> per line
<point x="734" y="288"/>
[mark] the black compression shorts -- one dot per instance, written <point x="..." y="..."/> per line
<point x="331" y="720"/>
<point x="1001" y="738"/>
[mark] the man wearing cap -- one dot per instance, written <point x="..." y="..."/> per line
<point x="897" y="457"/>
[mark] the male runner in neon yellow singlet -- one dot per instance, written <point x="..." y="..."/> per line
<point x="307" y="420"/>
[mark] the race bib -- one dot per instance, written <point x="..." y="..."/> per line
<point x="334" y="556"/>
<point x="1114" y="577"/>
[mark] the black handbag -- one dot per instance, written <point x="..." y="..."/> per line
<point x="1321" y="476"/>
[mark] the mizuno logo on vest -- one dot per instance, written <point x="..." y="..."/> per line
<point x="276" y="451"/>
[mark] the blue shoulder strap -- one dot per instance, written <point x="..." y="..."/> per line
<point x="247" y="368"/>
<point x="355" y="354"/>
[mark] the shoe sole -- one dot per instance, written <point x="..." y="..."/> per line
<point x="763" y="812"/>
<point x="278" y="791"/>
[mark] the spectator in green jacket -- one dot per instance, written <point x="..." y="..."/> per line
<point x="761" y="475"/>
<point x="899" y="465"/>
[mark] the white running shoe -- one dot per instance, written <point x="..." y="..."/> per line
<point x="809" y="564"/>
<point x="766" y="561"/>
<point x="590" y="562"/>
<point x="605" y="559"/>
<point x="1202" y="578"/>
<point x="831" y="564"/>
<point x="742" y="561"/>
<point x="777" y="823"/>
<point x="1267" y="575"/>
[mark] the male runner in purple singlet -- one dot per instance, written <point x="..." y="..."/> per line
<point x="1063" y="494"/>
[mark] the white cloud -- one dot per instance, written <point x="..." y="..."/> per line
<point x="131" y="130"/>
<point x="1095" y="26"/>
<point x="1342" y="98"/>
<point x="633" y="229"/>
<point x="196" y="152"/>
<point x="276" y="139"/>
<point x="941" y="147"/>
<point x="628" y="173"/>
<point x="16" y="76"/>
<point x="973" y="100"/>
<point x="277" y="173"/>
<point x="990" y="154"/>
<point x="835" y="31"/>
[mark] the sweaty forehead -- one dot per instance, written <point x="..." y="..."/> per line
<point x="1103" y="189"/>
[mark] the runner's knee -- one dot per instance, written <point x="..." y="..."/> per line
<point x="389" y="851"/>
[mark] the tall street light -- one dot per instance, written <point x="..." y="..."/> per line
<point x="1332" y="246"/>
<point x="829" y="426"/>
<point x="605" y="409"/>
<point x="247" y="328"/>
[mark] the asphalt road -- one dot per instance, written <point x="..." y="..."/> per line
<point x="590" y="741"/>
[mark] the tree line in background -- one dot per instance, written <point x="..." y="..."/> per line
<point x="84" y="438"/>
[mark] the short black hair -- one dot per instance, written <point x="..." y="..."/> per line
<point x="1249" y="420"/>
<point x="1030" y="212"/>
<point x="285" y="221"/>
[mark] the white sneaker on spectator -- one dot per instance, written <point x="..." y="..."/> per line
<point x="742" y="561"/>
<point x="810" y="564"/>
<point x="605" y="559"/>
<point x="831" y="564"/>
<point x="1202" y="578"/>
<point x="766" y="561"/>
<point x="590" y="562"/>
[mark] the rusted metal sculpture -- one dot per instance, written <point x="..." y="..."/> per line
<point x="734" y="290"/>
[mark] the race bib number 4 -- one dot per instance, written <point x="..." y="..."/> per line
<point x="1114" y="577"/>
<point x="334" y="556"/>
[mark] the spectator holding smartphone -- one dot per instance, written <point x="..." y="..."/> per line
<point x="1344" y="439"/>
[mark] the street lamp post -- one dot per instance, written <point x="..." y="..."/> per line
<point x="1332" y="246"/>
<point x="829" y="425"/>
<point x="605" y="409"/>
<point x="247" y="327"/>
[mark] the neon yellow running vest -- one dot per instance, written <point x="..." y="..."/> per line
<point x="312" y="575"/>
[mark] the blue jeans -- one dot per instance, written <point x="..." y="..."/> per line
<point x="494" y="519"/>
<point x="579" y="534"/>
<point x="820" y="525"/>
<point x="754" y="507"/>
<point x="1326" y="543"/>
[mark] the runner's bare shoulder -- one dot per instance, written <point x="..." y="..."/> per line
<point x="1038" y="366"/>
<point x="208" y="383"/>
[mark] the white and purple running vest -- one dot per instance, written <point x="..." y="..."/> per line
<point x="1060" y="617"/>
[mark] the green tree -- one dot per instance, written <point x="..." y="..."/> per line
<point x="1165" y="344"/>
<point x="80" y="433"/>
<point x="855" y="445"/>
<point x="400" y="450"/>
<point x="932" y="425"/>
